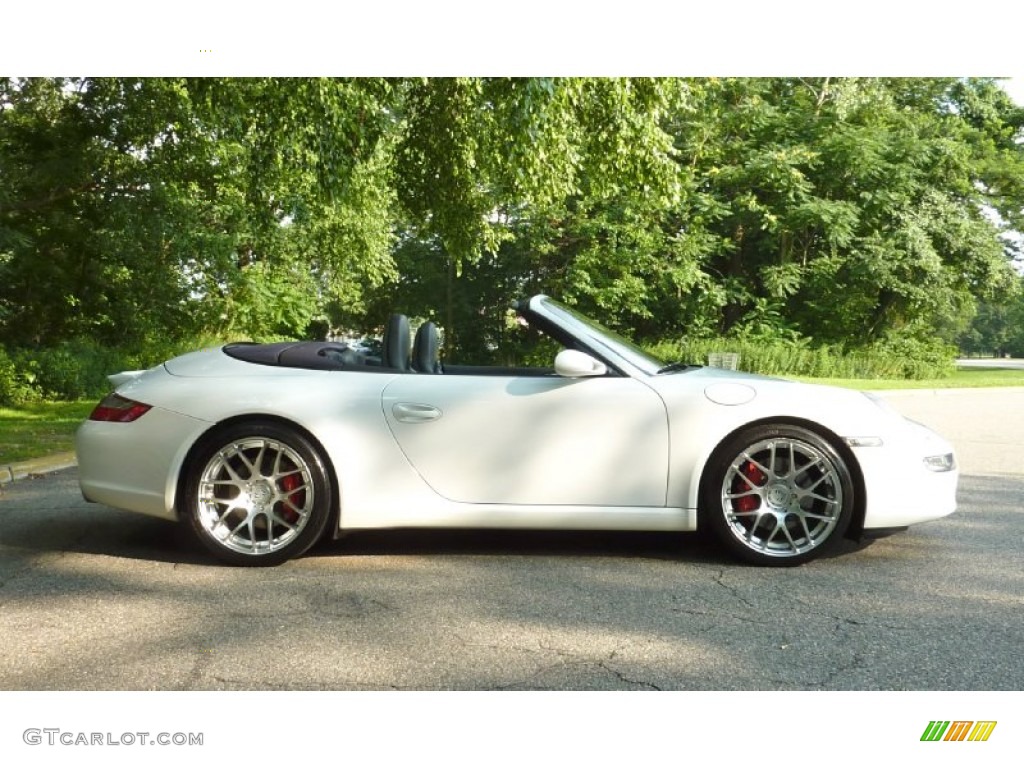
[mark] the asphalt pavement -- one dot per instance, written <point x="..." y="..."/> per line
<point x="986" y="426"/>
<point x="991" y="362"/>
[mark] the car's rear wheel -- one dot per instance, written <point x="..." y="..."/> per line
<point x="777" y="494"/>
<point x="256" y="494"/>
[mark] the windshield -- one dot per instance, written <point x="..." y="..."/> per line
<point x="603" y="339"/>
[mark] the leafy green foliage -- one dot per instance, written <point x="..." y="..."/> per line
<point x="998" y="328"/>
<point x="16" y="385"/>
<point x="895" y="359"/>
<point x="838" y="213"/>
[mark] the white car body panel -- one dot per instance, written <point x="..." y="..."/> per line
<point x="621" y="451"/>
<point x="534" y="440"/>
<point x="123" y="466"/>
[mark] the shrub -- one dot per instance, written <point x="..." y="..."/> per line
<point x="894" y="358"/>
<point x="16" y="385"/>
<point x="76" y="370"/>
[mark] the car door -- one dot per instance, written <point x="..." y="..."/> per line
<point x="528" y="440"/>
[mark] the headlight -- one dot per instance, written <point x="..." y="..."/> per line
<point x="943" y="462"/>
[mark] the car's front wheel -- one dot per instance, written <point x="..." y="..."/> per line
<point x="777" y="494"/>
<point x="256" y="494"/>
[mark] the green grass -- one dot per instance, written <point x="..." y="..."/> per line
<point x="964" y="378"/>
<point x="39" y="429"/>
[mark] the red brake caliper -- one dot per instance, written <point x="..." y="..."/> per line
<point x="747" y="479"/>
<point x="288" y="484"/>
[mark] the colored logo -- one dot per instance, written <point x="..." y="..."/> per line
<point x="958" y="730"/>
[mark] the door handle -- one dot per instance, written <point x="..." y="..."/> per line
<point x="415" y="413"/>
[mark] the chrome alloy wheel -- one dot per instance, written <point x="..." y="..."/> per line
<point x="255" y="496"/>
<point x="782" y="497"/>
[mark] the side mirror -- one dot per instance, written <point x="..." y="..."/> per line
<point x="574" y="364"/>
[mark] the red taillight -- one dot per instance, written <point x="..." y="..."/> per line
<point x="117" y="408"/>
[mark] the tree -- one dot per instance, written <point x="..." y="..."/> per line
<point x="77" y="256"/>
<point x="846" y="210"/>
<point x="850" y="211"/>
<point x="851" y="208"/>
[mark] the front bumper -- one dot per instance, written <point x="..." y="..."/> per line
<point x="911" y="478"/>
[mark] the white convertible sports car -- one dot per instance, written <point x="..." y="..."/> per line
<point x="260" y="449"/>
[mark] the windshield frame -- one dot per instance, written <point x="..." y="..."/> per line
<point x="602" y="340"/>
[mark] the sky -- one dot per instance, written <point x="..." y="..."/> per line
<point x="1015" y="87"/>
<point x="529" y="37"/>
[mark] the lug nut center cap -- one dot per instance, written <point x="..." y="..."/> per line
<point x="261" y="494"/>
<point x="778" y="496"/>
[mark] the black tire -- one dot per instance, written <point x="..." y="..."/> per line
<point x="256" y="494"/>
<point x="777" y="495"/>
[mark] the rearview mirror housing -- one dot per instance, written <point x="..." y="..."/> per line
<point x="573" y="364"/>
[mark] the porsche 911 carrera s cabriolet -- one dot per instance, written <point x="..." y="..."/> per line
<point x="262" y="449"/>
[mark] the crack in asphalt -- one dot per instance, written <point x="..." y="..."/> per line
<point x="564" y="659"/>
<point x="195" y="675"/>
<point x="719" y="580"/>
<point x="710" y="614"/>
<point x="857" y="662"/>
<point x="860" y="622"/>
<point x="622" y="675"/>
<point x="348" y="605"/>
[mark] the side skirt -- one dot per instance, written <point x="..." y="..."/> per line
<point x="531" y="517"/>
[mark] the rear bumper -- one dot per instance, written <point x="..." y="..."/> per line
<point x="135" y="466"/>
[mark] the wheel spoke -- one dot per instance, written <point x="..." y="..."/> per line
<point x="815" y="496"/>
<point x="748" y="481"/>
<point x="752" y="492"/>
<point x="225" y="464"/>
<point x="281" y="521"/>
<point x="278" y="478"/>
<point x="814" y="462"/>
<point x="240" y="453"/>
<point x="258" y="463"/>
<point x="815" y="484"/>
<point x="807" y="531"/>
<point x="300" y="511"/>
<point x="756" y="463"/>
<point x="789" y="537"/>
<point x="816" y="516"/>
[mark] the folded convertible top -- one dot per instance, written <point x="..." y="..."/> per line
<point x="314" y="355"/>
